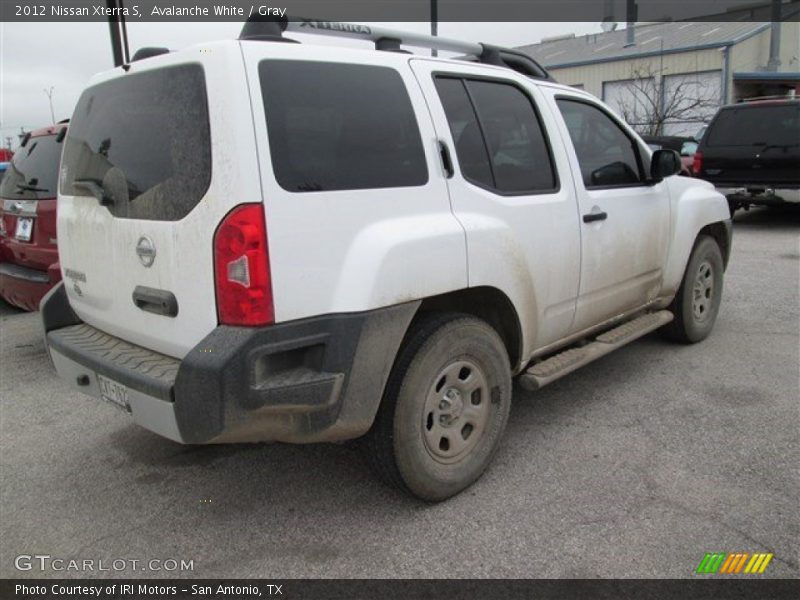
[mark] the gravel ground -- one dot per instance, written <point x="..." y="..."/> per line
<point x="634" y="466"/>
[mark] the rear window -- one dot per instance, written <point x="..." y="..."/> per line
<point x="144" y="140"/>
<point x="340" y="127"/>
<point x="751" y="126"/>
<point x="33" y="172"/>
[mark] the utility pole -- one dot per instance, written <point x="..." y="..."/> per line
<point x="774" y="63"/>
<point x="434" y="23"/>
<point x="631" y="14"/>
<point x="50" y="98"/>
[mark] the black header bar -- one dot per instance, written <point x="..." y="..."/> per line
<point x="399" y="10"/>
<point x="702" y="587"/>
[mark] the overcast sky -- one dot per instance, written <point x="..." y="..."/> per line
<point x="35" y="56"/>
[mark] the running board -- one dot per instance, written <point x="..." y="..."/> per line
<point x="555" y="367"/>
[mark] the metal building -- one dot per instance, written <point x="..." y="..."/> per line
<point x="670" y="78"/>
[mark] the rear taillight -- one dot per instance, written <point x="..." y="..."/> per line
<point x="241" y="268"/>
<point x="697" y="163"/>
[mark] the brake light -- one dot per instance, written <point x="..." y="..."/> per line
<point x="697" y="163"/>
<point x="241" y="268"/>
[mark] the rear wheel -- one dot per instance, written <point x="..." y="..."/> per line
<point x="445" y="407"/>
<point x="697" y="303"/>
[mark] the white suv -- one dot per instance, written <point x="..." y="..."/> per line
<point x="265" y="241"/>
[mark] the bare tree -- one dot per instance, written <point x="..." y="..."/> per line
<point x="653" y="100"/>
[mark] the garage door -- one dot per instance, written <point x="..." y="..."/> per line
<point x="695" y="98"/>
<point x="632" y="99"/>
<point x="690" y="99"/>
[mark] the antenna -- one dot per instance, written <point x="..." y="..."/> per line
<point x="118" y="32"/>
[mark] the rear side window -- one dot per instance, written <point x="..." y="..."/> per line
<point x="466" y="131"/>
<point x="144" y="139"/>
<point x="499" y="139"/>
<point x="33" y="172"/>
<point x="606" y="154"/>
<point x="753" y="126"/>
<point x="340" y="127"/>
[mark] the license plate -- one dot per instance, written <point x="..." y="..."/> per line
<point x="24" y="229"/>
<point x="114" y="393"/>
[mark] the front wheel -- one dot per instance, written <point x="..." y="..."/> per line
<point x="697" y="303"/>
<point x="445" y="407"/>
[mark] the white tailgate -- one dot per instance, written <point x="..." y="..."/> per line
<point x="97" y="251"/>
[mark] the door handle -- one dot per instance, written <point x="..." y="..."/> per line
<point x="447" y="162"/>
<point x="595" y="216"/>
<point x="160" y="302"/>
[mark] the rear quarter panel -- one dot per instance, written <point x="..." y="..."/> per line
<point x="355" y="250"/>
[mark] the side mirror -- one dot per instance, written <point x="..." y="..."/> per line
<point x="663" y="164"/>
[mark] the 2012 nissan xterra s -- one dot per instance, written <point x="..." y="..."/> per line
<point x="267" y="241"/>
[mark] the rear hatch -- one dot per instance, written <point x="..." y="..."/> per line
<point x="142" y="190"/>
<point x="28" y="202"/>
<point x="753" y="145"/>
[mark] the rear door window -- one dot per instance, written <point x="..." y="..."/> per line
<point x="754" y="126"/>
<point x="143" y="139"/>
<point x="33" y="172"/>
<point x="340" y="127"/>
<point x="519" y="154"/>
<point x="499" y="138"/>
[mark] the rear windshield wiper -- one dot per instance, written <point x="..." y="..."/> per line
<point x="96" y="189"/>
<point x="30" y="188"/>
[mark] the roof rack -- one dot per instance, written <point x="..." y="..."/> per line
<point x="767" y="98"/>
<point x="390" y="40"/>
<point x="148" y="52"/>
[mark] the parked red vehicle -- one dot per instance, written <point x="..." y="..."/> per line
<point x="28" y="252"/>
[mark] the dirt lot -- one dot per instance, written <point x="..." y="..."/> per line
<point x="635" y="466"/>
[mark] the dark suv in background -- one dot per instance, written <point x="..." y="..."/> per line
<point x="28" y="253"/>
<point x="751" y="152"/>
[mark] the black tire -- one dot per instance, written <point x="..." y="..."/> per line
<point x="443" y="357"/>
<point x="697" y="303"/>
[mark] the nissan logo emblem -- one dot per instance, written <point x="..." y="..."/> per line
<point x="146" y="251"/>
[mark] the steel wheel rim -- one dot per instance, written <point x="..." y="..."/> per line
<point x="703" y="292"/>
<point x="456" y="411"/>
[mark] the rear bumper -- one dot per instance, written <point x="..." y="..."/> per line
<point x="22" y="286"/>
<point x="754" y="194"/>
<point x="313" y="380"/>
